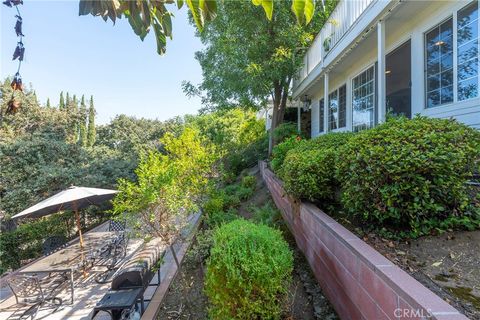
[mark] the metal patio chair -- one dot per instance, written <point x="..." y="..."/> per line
<point x="34" y="292"/>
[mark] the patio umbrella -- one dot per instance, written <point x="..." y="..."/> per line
<point x="74" y="199"/>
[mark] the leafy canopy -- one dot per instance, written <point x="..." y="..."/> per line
<point x="144" y="15"/>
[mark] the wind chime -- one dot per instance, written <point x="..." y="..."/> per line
<point x="13" y="104"/>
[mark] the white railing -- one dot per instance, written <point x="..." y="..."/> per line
<point x="340" y="21"/>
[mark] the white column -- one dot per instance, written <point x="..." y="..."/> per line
<point x="299" y="117"/>
<point x="381" y="88"/>
<point x="325" y="103"/>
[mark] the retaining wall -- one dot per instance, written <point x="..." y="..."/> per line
<point x="359" y="281"/>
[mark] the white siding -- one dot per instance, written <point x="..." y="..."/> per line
<point x="398" y="30"/>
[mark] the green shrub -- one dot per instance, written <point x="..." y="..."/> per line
<point x="248" y="272"/>
<point x="268" y="215"/>
<point x="280" y="151"/>
<point x="284" y="131"/>
<point x="308" y="171"/>
<point x="246" y="157"/>
<point x="409" y="174"/>
<point x="249" y="182"/>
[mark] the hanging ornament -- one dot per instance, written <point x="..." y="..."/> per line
<point x="19" y="51"/>
<point x="18" y="26"/>
<point x="14" y="104"/>
<point x="17" y="82"/>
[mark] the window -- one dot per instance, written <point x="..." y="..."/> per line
<point x="467" y="52"/>
<point x="363" y="100"/>
<point x="321" y="110"/>
<point x="440" y="61"/>
<point x="337" y="108"/>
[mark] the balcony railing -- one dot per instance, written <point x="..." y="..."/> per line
<point x="340" y="21"/>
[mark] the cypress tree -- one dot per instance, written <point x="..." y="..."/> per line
<point x="83" y="123"/>
<point x="91" y="124"/>
<point x="48" y="103"/>
<point x="67" y="100"/>
<point x="61" y="104"/>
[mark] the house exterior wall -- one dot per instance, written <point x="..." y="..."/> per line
<point x="398" y="30"/>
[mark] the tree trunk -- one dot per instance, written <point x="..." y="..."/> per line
<point x="280" y="98"/>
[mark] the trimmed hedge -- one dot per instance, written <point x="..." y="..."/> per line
<point x="280" y="151"/>
<point x="410" y="174"/>
<point x="248" y="272"/>
<point x="308" y="171"/>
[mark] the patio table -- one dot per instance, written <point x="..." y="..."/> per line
<point x="66" y="260"/>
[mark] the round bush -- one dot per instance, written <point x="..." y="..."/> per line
<point x="409" y="174"/>
<point x="308" y="171"/>
<point x="248" y="272"/>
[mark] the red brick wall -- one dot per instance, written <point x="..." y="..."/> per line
<point x="359" y="281"/>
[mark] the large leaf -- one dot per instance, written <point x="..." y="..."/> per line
<point x="194" y="6"/>
<point x="267" y="6"/>
<point x="303" y="10"/>
<point x="209" y="9"/>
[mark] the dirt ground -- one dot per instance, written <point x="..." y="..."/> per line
<point x="186" y="299"/>
<point x="448" y="264"/>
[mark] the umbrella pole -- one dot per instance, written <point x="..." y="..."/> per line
<point x="79" y="227"/>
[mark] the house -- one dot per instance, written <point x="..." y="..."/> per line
<point x="375" y="57"/>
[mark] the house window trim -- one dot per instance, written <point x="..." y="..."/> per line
<point x="337" y="89"/>
<point x="454" y="16"/>
<point x="350" y="93"/>
<point x="320" y="113"/>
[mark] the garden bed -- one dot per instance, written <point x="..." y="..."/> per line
<point x="186" y="298"/>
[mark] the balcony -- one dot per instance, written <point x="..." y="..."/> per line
<point x="342" y="19"/>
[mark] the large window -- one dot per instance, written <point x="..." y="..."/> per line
<point x="440" y="60"/>
<point x="321" y="110"/>
<point x="467" y="48"/>
<point x="363" y="100"/>
<point x="337" y="105"/>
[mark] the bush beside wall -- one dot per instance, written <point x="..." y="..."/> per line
<point x="404" y="175"/>
<point x="248" y="272"/>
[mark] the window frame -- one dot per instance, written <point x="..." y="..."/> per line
<point x="375" y="97"/>
<point x="337" y="91"/>
<point x="454" y="17"/>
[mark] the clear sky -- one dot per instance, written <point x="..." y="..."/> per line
<point x="85" y="55"/>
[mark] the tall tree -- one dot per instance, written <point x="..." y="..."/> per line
<point x="82" y="139"/>
<point x="48" y="103"/>
<point x="91" y="124"/>
<point x="61" y="104"/>
<point x="67" y="99"/>
<point x="249" y="60"/>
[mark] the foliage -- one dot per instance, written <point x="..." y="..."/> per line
<point x="82" y="129"/>
<point x="145" y="15"/>
<point x="410" y="174"/>
<point x="249" y="61"/>
<point x="308" y="170"/>
<point x="284" y="131"/>
<point x="280" y="151"/>
<point x="169" y="185"/>
<point x="268" y="214"/>
<point x="91" y="124"/>
<point x="200" y="249"/>
<point x="25" y="243"/>
<point x="249" y="182"/>
<point x="248" y="272"/>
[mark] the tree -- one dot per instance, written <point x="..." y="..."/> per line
<point x="153" y="14"/>
<point x="61" y="104"/>
<point x="48" y="103"/>
<point x="82" y="128"/>
<point x="67" y="100"/>
<point x="249" y="60"/>
<point x="91" y="124"/>
<point x="169" y="186"/>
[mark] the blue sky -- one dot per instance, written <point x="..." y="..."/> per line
<point x="85" y="55"/>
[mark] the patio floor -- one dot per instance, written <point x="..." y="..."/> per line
<point x="87" y="294"/>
